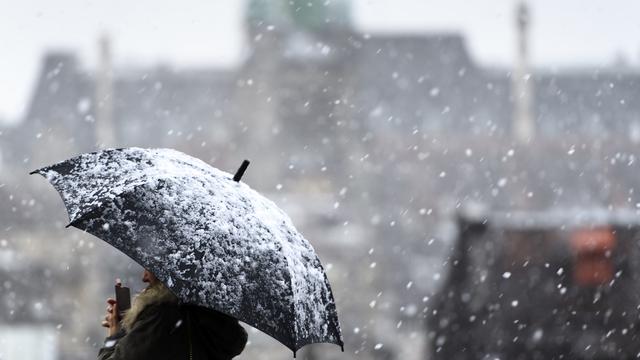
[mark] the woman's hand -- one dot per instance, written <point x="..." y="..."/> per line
<point x="111" y="321"/>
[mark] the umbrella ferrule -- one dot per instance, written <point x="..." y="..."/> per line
<point x="241" y="171"/>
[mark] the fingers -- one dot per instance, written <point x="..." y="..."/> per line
<point x="108" y="321"/>
<point x="111" y="305"/>
<point x="118" y="282"/>
<point x="111" y="318"/>
<point x="112" y="309"/>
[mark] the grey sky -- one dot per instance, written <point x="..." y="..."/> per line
<point x="209" y="32"/>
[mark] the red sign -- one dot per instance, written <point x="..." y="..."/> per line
<point x="592" y="249"/>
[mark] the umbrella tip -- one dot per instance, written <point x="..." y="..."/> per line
<point x="241" y="171"/>
<point x="33" y="172"/>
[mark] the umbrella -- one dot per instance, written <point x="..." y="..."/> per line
<point x="212" y="241"/>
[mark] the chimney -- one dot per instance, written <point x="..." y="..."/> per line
<point x="522" y="83"/>
<point x="104" y="96"/>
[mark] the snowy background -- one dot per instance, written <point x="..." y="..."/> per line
<point x="370" y="122"/>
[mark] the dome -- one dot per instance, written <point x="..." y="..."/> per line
<point x="307" y="15"/>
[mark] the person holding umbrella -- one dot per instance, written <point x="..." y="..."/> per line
<point x="158" y="327"/>
<point x="212" y="246"/>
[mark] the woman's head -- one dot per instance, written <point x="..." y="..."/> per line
<point x="149" y="277"/>
<point x="154" y="293"/>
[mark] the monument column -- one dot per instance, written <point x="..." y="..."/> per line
<point x="522" y="82"/>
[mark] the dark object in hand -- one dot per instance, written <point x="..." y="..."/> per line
<point x="123" y="300"/>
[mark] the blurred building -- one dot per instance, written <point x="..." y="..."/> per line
<point x="329" y="81"/>
<point x="29" y="342"/>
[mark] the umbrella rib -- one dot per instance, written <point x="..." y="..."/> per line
<point x="293" y="303"/>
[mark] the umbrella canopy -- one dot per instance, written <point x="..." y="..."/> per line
<point x="213" y="241"/>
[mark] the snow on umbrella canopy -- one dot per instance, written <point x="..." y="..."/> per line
<point x="213" y="241"/>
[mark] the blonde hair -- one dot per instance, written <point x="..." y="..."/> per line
<point x="153" y="294"/>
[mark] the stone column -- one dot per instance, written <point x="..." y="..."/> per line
<point x="104" y="96"/>
<point x="522" y="82"/>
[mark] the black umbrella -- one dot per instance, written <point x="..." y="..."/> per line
<point x="213" y="241"/>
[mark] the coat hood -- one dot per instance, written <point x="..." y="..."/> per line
<point x="212" y="334"/>
<point x="216" y="332"/>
